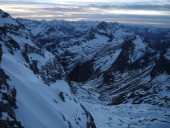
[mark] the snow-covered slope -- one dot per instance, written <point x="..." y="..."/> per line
<point x="39" y="105"/>
<point x="167" y="55"/>
<point x="32" y="95"/>
<point x="129" y="116"/>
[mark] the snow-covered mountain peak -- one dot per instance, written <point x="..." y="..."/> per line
<point x="14" y="32"/>
<point x="139" y="50"/>
<point x="6" y="19"/>
<point x="102" y="27"/>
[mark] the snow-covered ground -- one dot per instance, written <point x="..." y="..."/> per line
<point x="125" y="115"/>
<point x="105" y="62"/>
<point x="6" y="19"/>
<point x="139" y="50"/>
<point x="167" y="55"/>
<point x="39" y="105"/>
<point x="129" y="116"/>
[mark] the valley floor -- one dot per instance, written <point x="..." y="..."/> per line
<point x="129" y="116"/>
<point x="123" y="115"/>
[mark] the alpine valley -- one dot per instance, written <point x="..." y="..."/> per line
<point x="83" y="74"/>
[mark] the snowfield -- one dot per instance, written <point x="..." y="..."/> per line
<point x="140" y="49"/>
<point x="39" y="105"/>
<point x="129" y="116"/>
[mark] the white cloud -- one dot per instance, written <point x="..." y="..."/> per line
<point x="111" y="10"/>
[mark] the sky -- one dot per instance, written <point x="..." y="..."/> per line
<point x="124" y="11"/>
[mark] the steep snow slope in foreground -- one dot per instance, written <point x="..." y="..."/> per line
<point x="38" y="105"/>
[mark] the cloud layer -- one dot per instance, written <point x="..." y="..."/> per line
<point x="127" y="11"/>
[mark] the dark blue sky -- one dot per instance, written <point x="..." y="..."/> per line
<point x="125" y="11"/>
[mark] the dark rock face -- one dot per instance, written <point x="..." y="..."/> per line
<point x="1" y="52"/>
<point x="90" y="35"/>
<point x="34" y="67"/>
<point x="162" y="65"/>
<point x="12" y="46"/>
<point x="91" y="123"/>
<point x="161" y="45"/>
<point x="121" y="64"/>
<point x="103" y="25"/>
<point x="82" y="72"/>
<point x="50" y="71"/>
<point x="7" y="103"/>
<point x="4" y="14"/>
<point x="108" y="77"/>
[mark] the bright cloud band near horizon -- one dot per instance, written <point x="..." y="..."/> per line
<point x="124" y="11"/>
